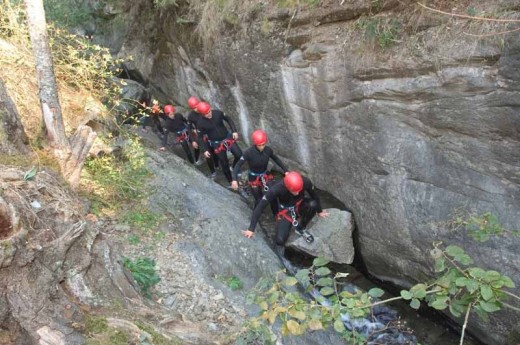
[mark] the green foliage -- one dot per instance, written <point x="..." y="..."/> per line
<point x="254" y="332"/>
<point x="458" y="287"/>
<point x="84" y="65"/>
<point x="142" y="219"/>
<point x="232" y="282"/>
<point x="158" y="339"/>
<point x="67" y="13"/>
<point x="471" y="11"/>
<point x="235" y="283"/>
<point x="144" y="272"/>
<point x="95" y="324"/>
<point x="133" y="239"/>
<point x="385" y="31"/>
<point x="482" y="227"/>
<point x="461" y="288"/>
<point x="113" y="180"/>
<point x="99" y="333"/>
<point x="30" y="174"/>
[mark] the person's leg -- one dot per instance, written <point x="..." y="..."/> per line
<point x="257" y="194"/>
<point x="224" y="163"/>
<point x="214" y="157"/>
<point x="307" y="211"/>
<point x="283" y="226"/>
<point x="187" y="150"/>
<point x="157" y="123"/>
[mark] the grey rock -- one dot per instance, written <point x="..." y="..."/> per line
<point x="332" y="237"/>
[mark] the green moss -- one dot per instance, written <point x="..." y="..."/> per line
<point x="158" y="339"/>
<point x="95" y="324"/>
<point x="99" y="333"/>
<point x="16" y="160"/>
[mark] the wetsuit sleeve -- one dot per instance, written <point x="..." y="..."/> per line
<point x="309" y="187"/>
<point x="238" y="167"/>
<point x="257" y="212"/>
<point x="230" y="123"/>
<point x="278" y="161"/>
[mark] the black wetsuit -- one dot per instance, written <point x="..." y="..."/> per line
<point x="304" y="207"/>
<point x="180" y="127"/>
<point x="218" y="134"/>
<point x="193" y="117"/>
<point x="258" y="162"/>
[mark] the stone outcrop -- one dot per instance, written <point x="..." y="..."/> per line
<point x="332" y="237"/>
<point x="403" y="124"/>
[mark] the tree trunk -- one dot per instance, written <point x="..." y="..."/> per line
<point x="70" y="157"/>
<point x="12" y="135"/>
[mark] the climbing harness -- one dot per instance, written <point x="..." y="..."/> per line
<point x="223" y="145"/>
<point x="182" y="136"/>
<point x="261" y="180"/>
<point x="293" y="210"/>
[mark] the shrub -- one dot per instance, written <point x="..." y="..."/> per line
<point x="144" y="272"/>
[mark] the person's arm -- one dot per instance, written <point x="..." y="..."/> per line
<point x="278" y="161"/>
<point x="230" y="122"/>
<point x="238" y="167"/>
<point x="257" y="212"/>
<point x="309" y="187"/>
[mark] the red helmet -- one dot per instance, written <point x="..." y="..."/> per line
<point x="193" y="102"/>
<point x="259" y="137"/>
<point x="203" y="108"/>
<point x="169" y="109"/>
<point x="293" y="181"/>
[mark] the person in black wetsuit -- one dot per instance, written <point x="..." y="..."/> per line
<point x="257" y="156"/>
<point x="193" y="117"/>
<point x="151" y="114"/>
<point x="176" y="123"/>
<point x="295" y="208"/>
<point x="211" y="124"/>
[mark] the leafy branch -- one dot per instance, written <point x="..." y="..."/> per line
<point x="458" y="288"/>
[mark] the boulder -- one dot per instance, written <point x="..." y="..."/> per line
<point x="332" y="237"/>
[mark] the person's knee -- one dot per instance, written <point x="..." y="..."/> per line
<point x="313" y="205"/>
<point x="279" y="240"/>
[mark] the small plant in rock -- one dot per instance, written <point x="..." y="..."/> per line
<point x="234" y="283"/>
<point x="482" y="226"/>
<point x="133" y="239"/>
<point x="143" y="219"/>
<point x="144" y="272"/>
<point x="112" y="180"/>
<point x="471" y="11"/>
<point x="385" y="31"/>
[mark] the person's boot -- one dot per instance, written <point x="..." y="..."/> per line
<point x="305" y="234"/>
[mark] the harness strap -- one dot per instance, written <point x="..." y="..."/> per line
<point x="294" y="210"/>
<point x="225" y="145"/>
<point x="261" y="180"/>
<point x="182" y="136"/>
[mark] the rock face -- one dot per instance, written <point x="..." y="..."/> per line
<point x="402" y="117"/>
<point x="332" y="237"/>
